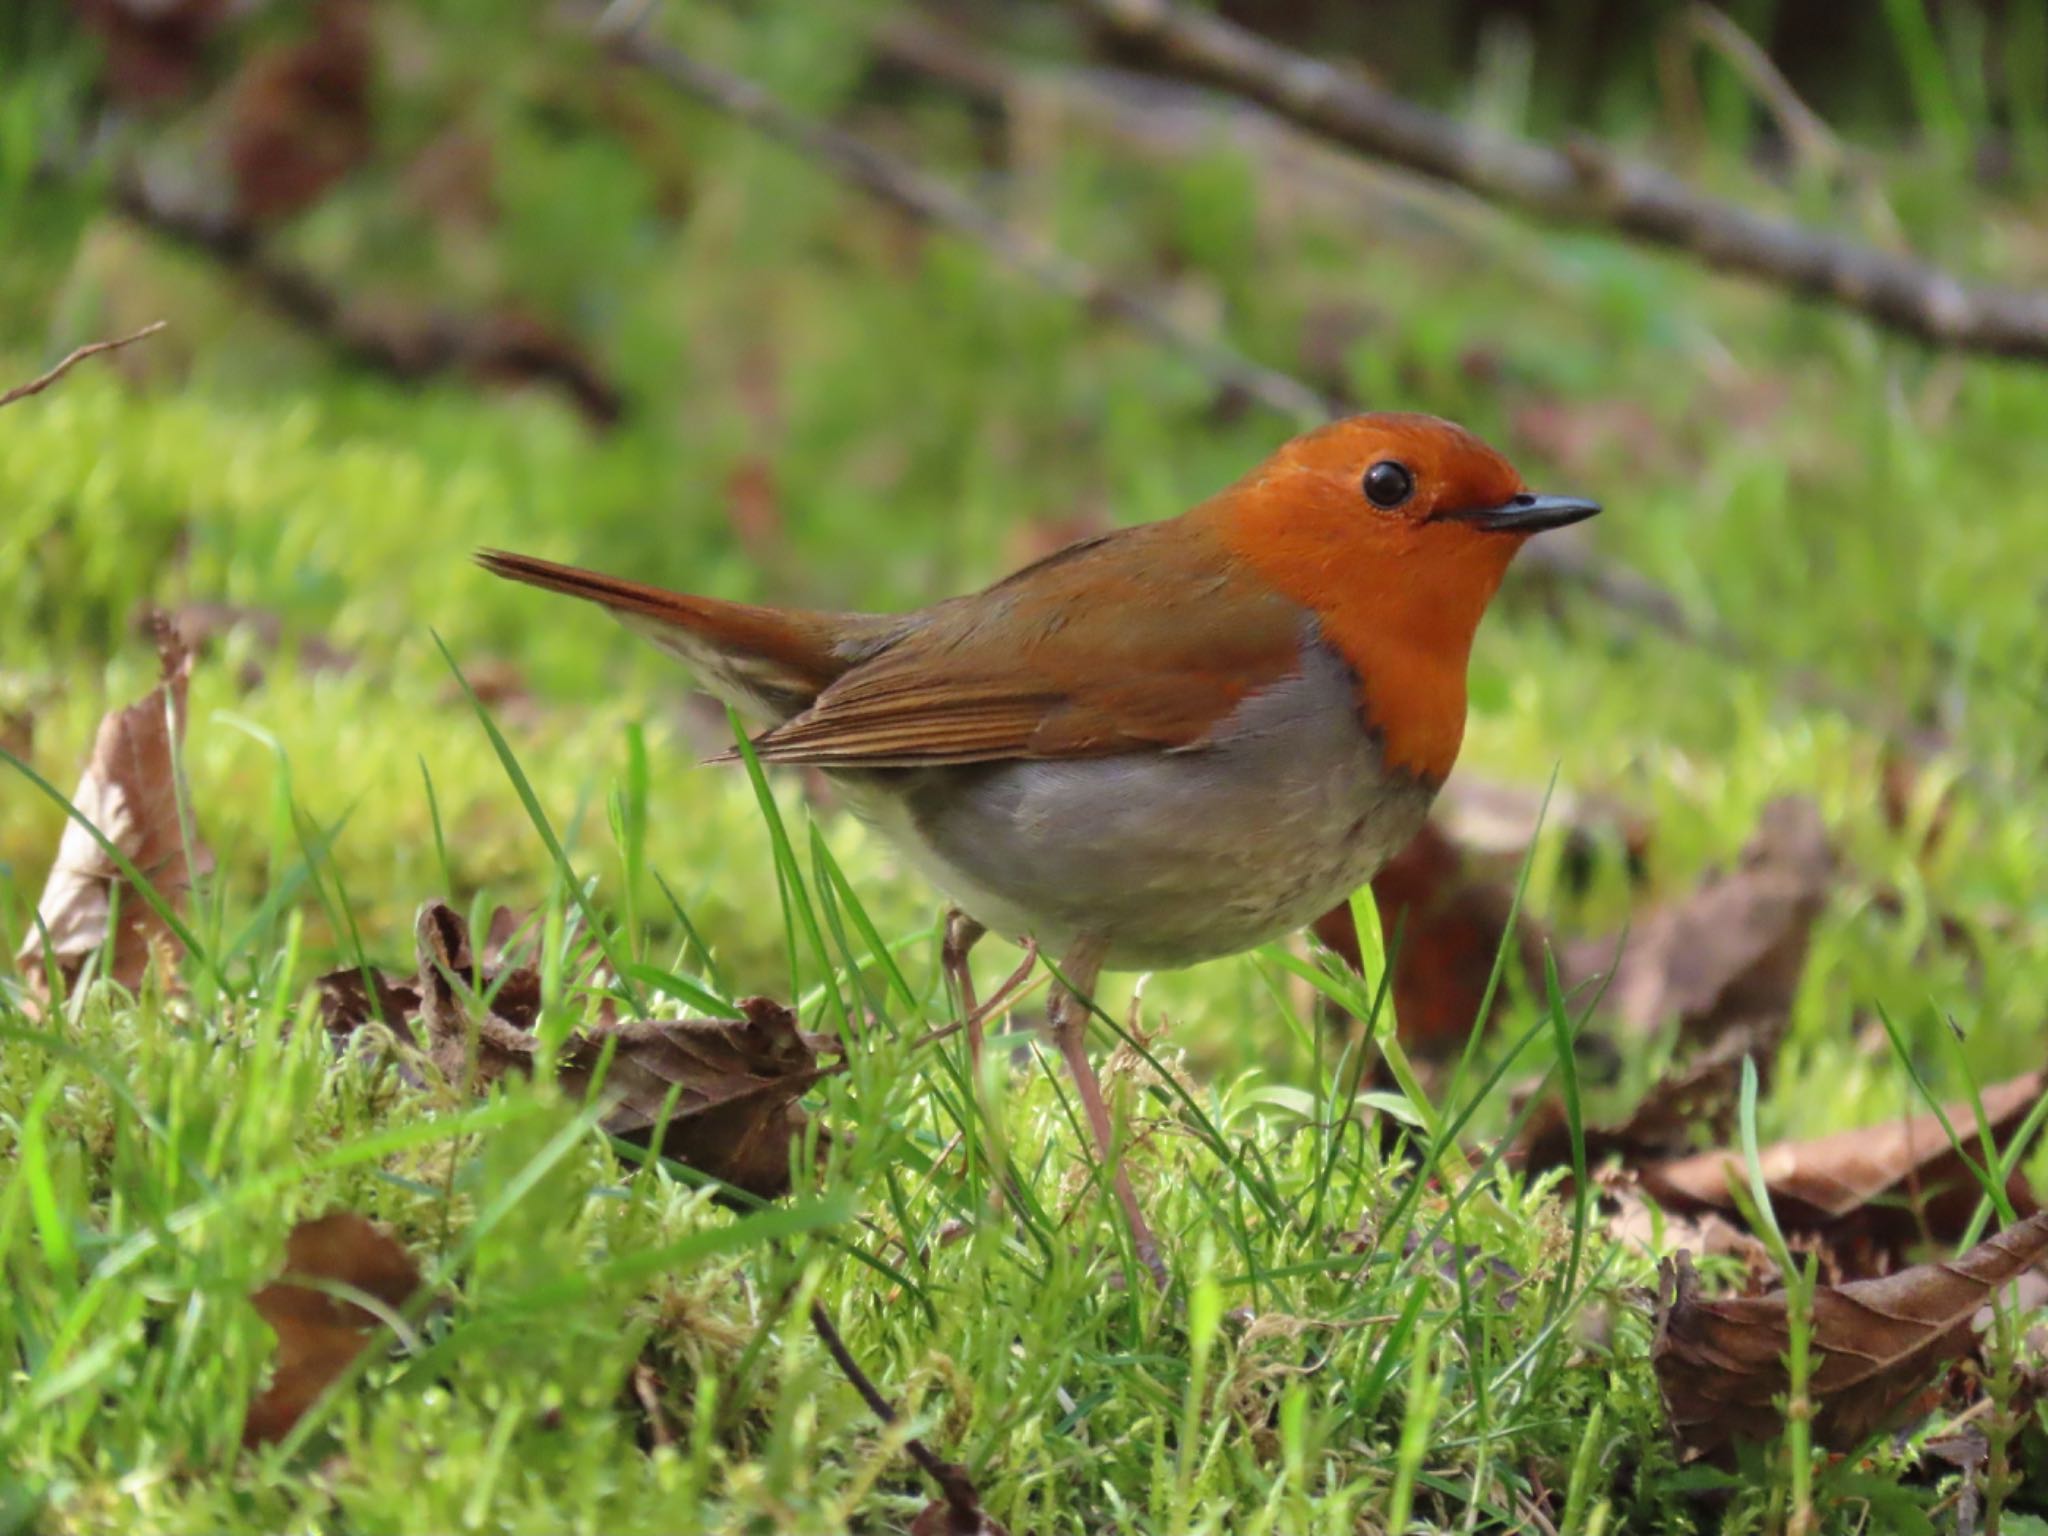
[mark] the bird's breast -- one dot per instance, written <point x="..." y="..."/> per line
<point x="1170" y="857"/>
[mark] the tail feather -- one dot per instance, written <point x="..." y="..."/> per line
<point x="768" y="661"/>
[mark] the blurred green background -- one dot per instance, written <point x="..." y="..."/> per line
<point x="441" y="275"/>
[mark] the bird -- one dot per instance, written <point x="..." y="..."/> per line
<point x="1159" y="745"/>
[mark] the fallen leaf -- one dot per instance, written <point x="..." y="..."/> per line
<point x="723" y="1092"/>
<point x="299" y="115"/>
<point x="130" y="791"/>
<point x="1699" y="1096"/>
<point x="1446" y="926"/>
<point x="1630" y="1217"/>
<point x="1720" y="1363"/>
<point x="1724" y="963"/>
<point x="1872" y="1192"/>
<point x="319" y="1333"/>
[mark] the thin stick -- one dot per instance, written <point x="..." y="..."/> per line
<point x="959" y="1491"/>
<point x="37" y="385"/>
<point x="1586" y="183"/>
<point x="931" y="201"/>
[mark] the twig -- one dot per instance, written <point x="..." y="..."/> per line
<point x="37" y="385"/>
<point x="958" y="1490"/>
<point x="931" y="201"/>
<point x="1586" y="183"/>
<point x="423" y="346"/>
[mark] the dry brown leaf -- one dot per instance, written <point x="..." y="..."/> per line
<point x="729" y="1086"/>
<point x="1872" y="1192"/>
<point x="130" y="791"/>
<point x="1720" y="1363"/>
<point x="319" y="1334"/>
<point x="1724" y="963"/>
<point x="1632" y="1219"/>
<point x="1447" y="925"/>
<point x="1701" y="1094"/>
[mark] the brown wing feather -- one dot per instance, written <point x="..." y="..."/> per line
<point x="1131" y="641"/>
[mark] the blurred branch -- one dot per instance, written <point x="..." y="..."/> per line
<point x="983" y="75"/>
<point x="42" y="382"/>
<point x="1585" y="183"/>
<point x="931" y="201"/>
<point x="410" y="347"/>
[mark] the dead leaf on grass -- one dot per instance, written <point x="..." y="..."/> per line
<point x="1698" y="1097"/>
<point x="130" y="791"/>
<point x="1720" y="1363"/>
<point x="1446" y="925"/>
<point x="320" y="1333"/>
<point x="1872" y="1192"/>
<point x="723" y="1092"/>
<point x="1724" y="963"/>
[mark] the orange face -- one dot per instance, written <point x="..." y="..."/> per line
<point x="1395" y="531"/>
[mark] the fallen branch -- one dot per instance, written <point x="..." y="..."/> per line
<point x="42" y="382"/>
<point x="411" y="349"/>
<point x="931" y="201"/>
<point x="1585" y="183"/>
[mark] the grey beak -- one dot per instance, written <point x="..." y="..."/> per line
<point x="1528" y="513"/>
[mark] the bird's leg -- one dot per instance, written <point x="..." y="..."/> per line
<point x="1068" y="1014"/>
<point x="962" y="934"/>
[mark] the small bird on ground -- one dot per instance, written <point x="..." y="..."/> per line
<point x="1156" y="746"/>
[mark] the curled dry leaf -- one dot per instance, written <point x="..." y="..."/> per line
<point x="722" y="1092"/>
<point x="1876" y="1343"/>
<point x="1872" y="1192"/>
<point x="1724" y="963"/>
<point x="130" y="791"/>
<point x="320" y="1333"/>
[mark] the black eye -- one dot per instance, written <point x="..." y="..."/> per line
<point x="1388" y="484"/>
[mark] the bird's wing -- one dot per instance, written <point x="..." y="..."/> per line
<point x="1130" y="641"/>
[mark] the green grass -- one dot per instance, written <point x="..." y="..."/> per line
<point x="1865" y="520"/>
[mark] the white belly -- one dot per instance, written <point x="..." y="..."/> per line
<point x="1168" y="858"/>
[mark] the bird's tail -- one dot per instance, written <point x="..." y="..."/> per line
<point x="769" y="662"/>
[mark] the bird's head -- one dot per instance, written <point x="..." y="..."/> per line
<point x="1394" y="530"/>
